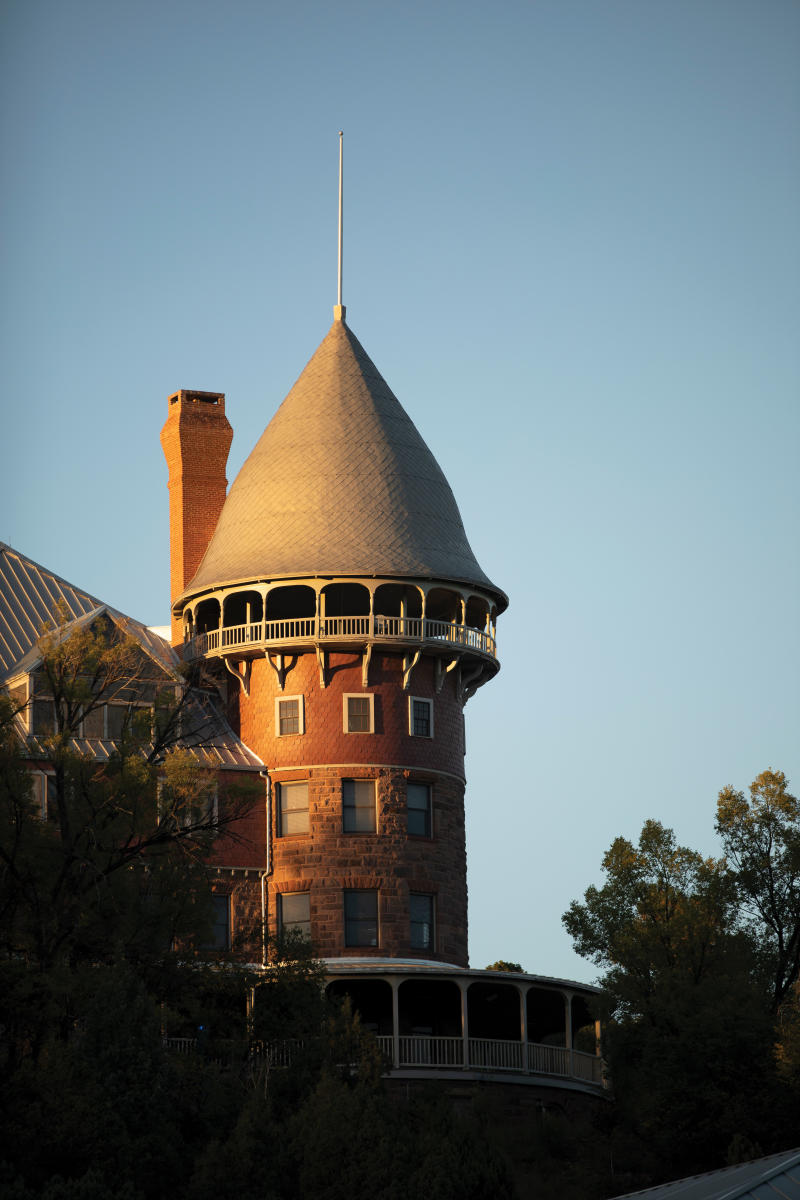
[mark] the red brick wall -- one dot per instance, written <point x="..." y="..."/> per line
<point x="195" y="439"/>
<point x="243" y="843"/>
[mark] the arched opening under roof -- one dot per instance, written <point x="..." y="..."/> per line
<point x="477" y="612"/>
<point x="494" y="1011"/>
<point x="346" y="600"/>
<point x="289" y="603"/>
<point x="547" y="1020"/>
<point x="370" y="998"/>
<point x="207" y="616"/>
<point x="583" y="1027"/>
<point x="441" y="604"/>
<point x="398" y="599"/>
<point x="242" y="608"/>
<point x="429" y="1007"/>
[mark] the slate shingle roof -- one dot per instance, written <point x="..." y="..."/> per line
<point x="340" y="483"/>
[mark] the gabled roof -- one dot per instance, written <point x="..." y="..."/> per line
<point x="30" y="596"/>
<point x="340" y="483"/>
<point x="154" y="646"/>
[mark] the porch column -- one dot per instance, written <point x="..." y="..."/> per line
<point x="463" y="988"/>
<point x="264" y="594"/>
<point x="524" y="1003"/>
<point x="568" y="1030"/>
<point x="395" y="986"/>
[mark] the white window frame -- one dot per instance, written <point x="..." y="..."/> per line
<point x="346" y="698"/>
<point x="301" y="723"/>
<point x="412" y="700"/>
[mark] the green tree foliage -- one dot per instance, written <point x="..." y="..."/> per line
<point x="281" y="1094"/>
<point x="689" y="1024"/>
<point x="761" y="839"/>
<point x="503" y="965"/>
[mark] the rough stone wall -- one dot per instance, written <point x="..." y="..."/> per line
<point x="245" y="901"/>
<point x="326" y="861"/>
<point x="195" y="439"/>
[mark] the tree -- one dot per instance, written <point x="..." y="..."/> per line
<point x="665" y="911"/>
<point x="761" y="839"/>
<point x="688" y="1031"/>
<point x="120" y="831"/>
<point x="503" y="965"/>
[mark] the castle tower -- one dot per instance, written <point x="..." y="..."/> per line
<point x="341" y="592"/>
<point x="196" y="439"/>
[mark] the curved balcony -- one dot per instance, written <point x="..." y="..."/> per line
<point x="332" y="632"/>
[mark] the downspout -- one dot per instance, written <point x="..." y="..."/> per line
<point x="267" y="868"/>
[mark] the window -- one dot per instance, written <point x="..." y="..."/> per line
<point x="292" y="808"/>
<point x="361" y="918"/>
<point x="44" y="717"/>
<point x="420" y="909"/>
<point x="288" y="715"/>
<point x="418" y="800"/>
<point x="358" y="806"/>
<point x="294" y="913"/>
<point x="221" y="928"/>
<point x="94" y="722"/>
<point x="117" y="716"/>
<point x="420" y="717"/>
<point x="359" y="713"/>
<point x="44" y="796"/>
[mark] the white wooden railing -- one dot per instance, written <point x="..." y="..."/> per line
<point x="484" y="1054"/>
<point x="321" y="629"/>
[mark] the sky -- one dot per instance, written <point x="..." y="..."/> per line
<point x="571" y="247"/>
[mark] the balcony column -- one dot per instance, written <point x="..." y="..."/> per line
<point x="371" y="629"/>
<point x="403" y="614"/>
<point x="463" y="987"/>
<point x="568" y="1030"/>
<point x="264" y="593"/>
<point x="395" y="986"/>
<point x="523" y="996"/>
<point x="422" y="612"/>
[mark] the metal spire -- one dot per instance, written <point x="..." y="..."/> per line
<point x="339" y="310"/>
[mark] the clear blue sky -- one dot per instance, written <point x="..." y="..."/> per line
<point x="572" y="248"/>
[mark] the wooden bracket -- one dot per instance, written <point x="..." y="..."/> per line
<point x="322" y="660"/>
<point x="279" y="667"/>
<point x="441" y="672"/>
<point x="365" y="658"/>
<point x="242" y="677"/>
<point x="409" y="663"/>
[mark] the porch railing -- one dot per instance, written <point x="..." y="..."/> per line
<point x="320" y="629"/>
<point x="483" y="1054"/>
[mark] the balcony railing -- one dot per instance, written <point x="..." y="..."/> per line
<point x="299" y="630"/>
<point x="447" y="1053"/>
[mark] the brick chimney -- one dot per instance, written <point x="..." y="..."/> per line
<point x="195" y="439"/>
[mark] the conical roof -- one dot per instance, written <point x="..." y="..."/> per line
<point x="340" y="483"/>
